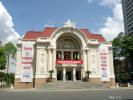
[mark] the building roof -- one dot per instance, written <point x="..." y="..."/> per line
<point x="33" y="35"/>
<point x="93" y="36"/>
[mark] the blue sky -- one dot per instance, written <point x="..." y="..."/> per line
<point x="99" y="16"/>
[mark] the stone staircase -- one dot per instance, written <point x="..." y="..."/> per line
<point x="70" y="85"/>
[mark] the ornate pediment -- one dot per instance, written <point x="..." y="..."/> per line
<point x="69" y="24"/>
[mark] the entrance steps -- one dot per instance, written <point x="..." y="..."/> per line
<point x="68" y="85"/>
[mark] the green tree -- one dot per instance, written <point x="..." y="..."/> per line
<point x="117" y="54"/>
<point x="117" y="45"/>
<point x="127" y="50"/>
<point x="125" y="77"/>
<point x="2" y="58"/>
<point x="127" y="46"/>
<point x="10" y="78"/>
<point x="10" y="49"/>
<point x="122" y="48"/>
<point x="2" y="79"/>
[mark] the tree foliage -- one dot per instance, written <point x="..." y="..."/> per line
<point x="10" y="49"/>
<point x="127" y="46"/>
<point x="117" y="45"/>
<point x="2" y="58"/>
<point x="123" y="45"/>
<point x="122" y="48"/>
<point x="125" y="77"/>
<point x="9" y="78"/>
<point x="5" y="51"/>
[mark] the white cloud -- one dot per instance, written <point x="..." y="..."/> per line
<point x="110" y="3"/>
<point x="114" y="24"/>
<point x="7" y="31"/>
<point x="48" y="25"/>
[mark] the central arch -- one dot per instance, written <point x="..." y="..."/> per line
<point x="68" y="39"/>
<point x="68" y="30"/>
<point x="69" y="48"/>
<point x="69" y="42"/>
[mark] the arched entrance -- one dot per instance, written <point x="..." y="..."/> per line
<point x="68" y="57"/>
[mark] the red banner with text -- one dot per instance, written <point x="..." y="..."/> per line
<point x="69" y="61"/>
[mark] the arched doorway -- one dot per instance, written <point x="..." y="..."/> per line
<point x="68" y="57"/>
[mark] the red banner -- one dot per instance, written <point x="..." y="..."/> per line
<point x="69" y="61"/>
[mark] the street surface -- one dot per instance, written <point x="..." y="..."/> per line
<point x="114" y="94"/>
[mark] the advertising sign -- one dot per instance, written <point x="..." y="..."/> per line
<point x="27" y="57"/>
<point x="104" y="63"/>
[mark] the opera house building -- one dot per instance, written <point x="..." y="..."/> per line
<point x="64" y="53"/>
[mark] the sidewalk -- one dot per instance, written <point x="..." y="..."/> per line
<point x="121" y="87"/>
<point x="46" y="90"/>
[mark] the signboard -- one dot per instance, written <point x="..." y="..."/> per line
<point x="69" y="61"/>
<point x="27" y="57"/>
<point x="104" y="63"/>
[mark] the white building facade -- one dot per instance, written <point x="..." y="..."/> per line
<point x="63" y="54"/>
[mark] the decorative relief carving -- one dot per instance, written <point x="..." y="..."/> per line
<point x="94" y="66"/>
<point x="93" y="70"/>
<point x="93" y="59"/>
<point x="42" y="69"/>
<point x="42" y="58"/>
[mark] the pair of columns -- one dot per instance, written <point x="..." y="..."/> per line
<point x="64" y="74"/>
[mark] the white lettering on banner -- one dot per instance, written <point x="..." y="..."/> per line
<point x="26" y="68"/>
<point x="104" y="63"/>
<point x="69" y="62"/>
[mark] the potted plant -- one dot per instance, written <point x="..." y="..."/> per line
<point x="51" y="74"/>
<point x="87" y="74"/>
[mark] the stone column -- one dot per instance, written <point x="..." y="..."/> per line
<point x="54" y="58"/>
<point x="110" y="60"/>
<point x="64" y="74"/>
<point x="89" y="60"/>
<point x="49" y="60"/>
<point x="71" y="55"/>
<point x="84" y="61"/>
<point x="62" y="55"/>
<point x="54" y="63"/>
<point x="74" y="74"/>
